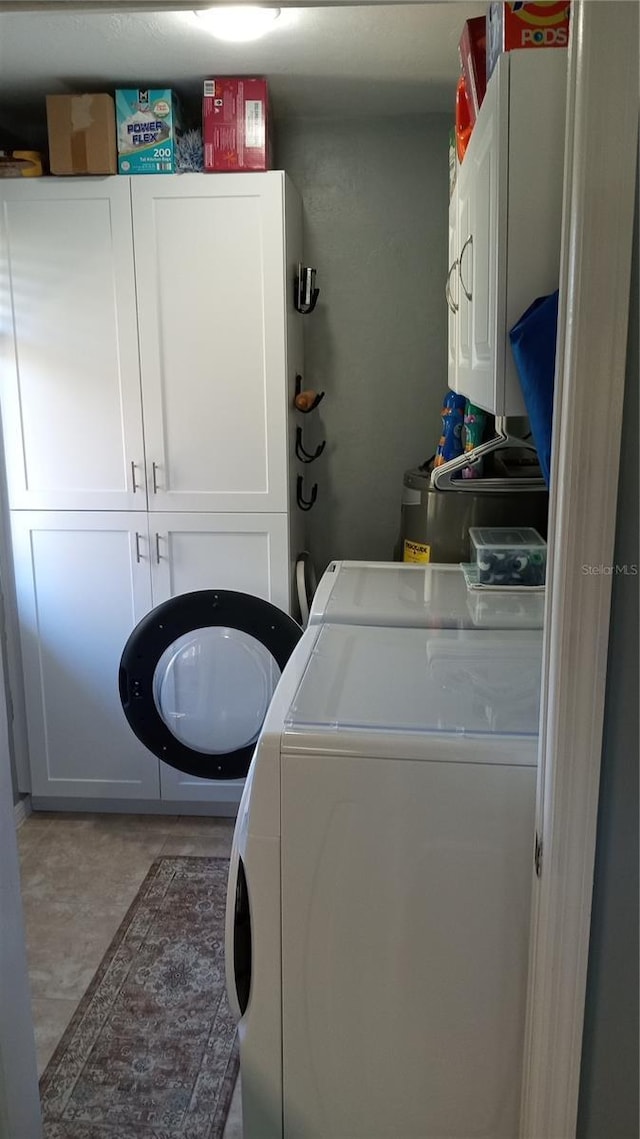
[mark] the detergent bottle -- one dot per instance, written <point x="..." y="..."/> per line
<point x="450" y="443"/>
<point x="474" y="423"/>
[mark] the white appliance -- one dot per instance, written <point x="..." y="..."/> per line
<point x="379" y="890"/>
<point x="430" y="596"/>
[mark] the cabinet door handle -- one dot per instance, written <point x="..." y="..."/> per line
<point x="466" y="292"/>
<point x="138" y="554"/>
<point x="158" y="548"/>
<point x="154" y="477"/>
<point x="451" y="304"/>
<point x="134" y="484"/>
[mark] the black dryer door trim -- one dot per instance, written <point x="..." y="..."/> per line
<point x="205" y="608"/>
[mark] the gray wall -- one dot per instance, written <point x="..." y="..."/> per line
<point x="375" y="209"/>
<point x="609" y="1079"/>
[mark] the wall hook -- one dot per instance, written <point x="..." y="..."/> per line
<point x="305" y="293"/>
<point x="306" y="401"/>
<point x="305" y="503"/>
<point x="306" y="456"/>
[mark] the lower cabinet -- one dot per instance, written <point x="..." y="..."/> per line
<point x="245" y="552"/>
<point x="83" y="581"/>
<point x="81" y="584"/>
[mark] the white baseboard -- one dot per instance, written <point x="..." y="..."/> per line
<point x="22" y="810"/>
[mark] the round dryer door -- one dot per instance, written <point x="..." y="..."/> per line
<point x="197" y="676"/>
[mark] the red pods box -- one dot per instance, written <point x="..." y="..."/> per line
<point x="472" y="52"/>
<point x="235" y="124"/>
<point x="511" y="26"/>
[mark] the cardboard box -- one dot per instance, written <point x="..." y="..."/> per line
<point x="82" y="134"/>
<point x="513" y="26"/>
<point x="472" y="52"/>
<point x="235" y="124"/>
<point x="149" y="122"/>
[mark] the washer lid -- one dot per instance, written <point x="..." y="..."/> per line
<point x="428" y="596"/>
<point x="197" y="676"/>
<point x="445" y="681"/>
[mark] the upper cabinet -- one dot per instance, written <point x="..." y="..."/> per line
<point x="211" y="281"/>
<point x="144" y="331"/>
<point x="505" y="222"/>
<point x="69" y="372"/>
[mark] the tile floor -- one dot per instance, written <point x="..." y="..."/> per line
<point x="79" y="874"/>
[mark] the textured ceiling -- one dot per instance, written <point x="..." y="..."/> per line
<point x="319" y="61"/>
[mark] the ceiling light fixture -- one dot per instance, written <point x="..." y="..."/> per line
<point x="238" y="23"/>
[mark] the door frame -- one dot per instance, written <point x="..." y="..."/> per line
<point x="599" y="191"/>
<point x="596" y="253"/>
<point x="19" y="1099"/>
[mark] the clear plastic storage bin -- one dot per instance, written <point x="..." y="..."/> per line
<point x="506" y="556"/>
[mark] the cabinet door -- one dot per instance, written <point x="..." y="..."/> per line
<point x="488" y="249"/>
<point x="452" y="291"/>
<point x="68" y="345"/>
<point x="83" y="582"/>
<point x="210" y="271"/>
<point x="462" y="287"/>
<point x="244" y="552"/>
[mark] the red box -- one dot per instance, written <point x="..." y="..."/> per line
<point x="235" y="124"/>
<point x="512" y="26"/>
<point x="472" y="52"/>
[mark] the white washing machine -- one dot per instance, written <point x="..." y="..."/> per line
<point x="431" y="596"/>
<point x="379" y="890"/>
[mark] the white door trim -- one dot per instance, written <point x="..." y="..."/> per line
<point x="600" y="160"/>
<point x="19" y="1099"/>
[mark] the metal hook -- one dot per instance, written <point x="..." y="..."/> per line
<point x="305" y="293"/>
<point x="305" y="503"/>
<point x="306" y="456"/>
<point x="305" y="410"/>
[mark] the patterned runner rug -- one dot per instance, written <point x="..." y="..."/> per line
<point x="151" y="1052"/>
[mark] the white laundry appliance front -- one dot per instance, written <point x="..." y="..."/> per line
<point x="432" y="596"/>
<point x="379" y="890"/>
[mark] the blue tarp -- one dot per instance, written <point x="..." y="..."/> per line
<point x="533" y="342"/>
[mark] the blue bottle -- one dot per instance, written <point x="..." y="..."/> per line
<point x="450" y="444"/>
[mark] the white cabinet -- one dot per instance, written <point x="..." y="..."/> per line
<point x="245" y="552"/>
<point x="463" y="315"/>
<point x="195" y="334"/>
<point x="211" y="280"/>
<point x="508" y="215"/>
<point x="451" y="289"/>
<point x="481" y="264"/>
<point x="83" y="582"/>
<point x="150" y="350"/>
<point x="69" y="372"/>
